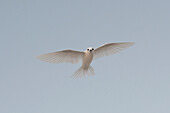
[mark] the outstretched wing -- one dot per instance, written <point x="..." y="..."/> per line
<point x="111" y="48"/>
<point x="67" y="56"/>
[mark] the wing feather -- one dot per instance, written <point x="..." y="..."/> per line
<point x="67" y="56"/>
<point x="111" y="48"/>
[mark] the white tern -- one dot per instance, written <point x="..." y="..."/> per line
<point x="72" y="56"/>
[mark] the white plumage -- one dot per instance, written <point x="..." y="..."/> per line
<point x="71" y="56"/>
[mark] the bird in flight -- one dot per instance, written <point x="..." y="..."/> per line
<point x="72" y="56"/>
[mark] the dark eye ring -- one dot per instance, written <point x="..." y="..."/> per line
<point x="92" y="48"/>
<point x="87" y="49"/>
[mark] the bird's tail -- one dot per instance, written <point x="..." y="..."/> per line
<point x="82" y="71"/>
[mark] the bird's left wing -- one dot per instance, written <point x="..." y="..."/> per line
<point x="67" y="56"/>
<point x="111" y="48"/>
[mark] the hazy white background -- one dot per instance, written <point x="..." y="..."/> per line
<point x="136" y="80"/>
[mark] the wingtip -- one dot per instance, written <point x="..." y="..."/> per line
<point x="38" y="57"/>
<point x="132" y="43"/>
<point x="129" y="43"/>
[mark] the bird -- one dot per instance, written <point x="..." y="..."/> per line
<point x="87" y="56"/>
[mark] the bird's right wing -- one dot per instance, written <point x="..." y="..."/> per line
<point x="67" y="56"/>
<point x="111" y="48"/>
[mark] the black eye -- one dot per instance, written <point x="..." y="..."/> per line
<point x="87" y="49"/>
<point x="92" y="48"/>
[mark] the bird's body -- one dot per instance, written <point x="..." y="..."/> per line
<point x="71" y="56"/>
<point x="87" y="59"/>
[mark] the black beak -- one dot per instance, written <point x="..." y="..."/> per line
<point x="90" y="50"/>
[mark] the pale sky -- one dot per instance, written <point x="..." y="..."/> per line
<point x="136" y="80"/>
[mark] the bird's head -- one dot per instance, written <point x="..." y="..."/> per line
<point x="90" y="49"/>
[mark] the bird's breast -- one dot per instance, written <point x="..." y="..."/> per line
<point x="87" y="59"/>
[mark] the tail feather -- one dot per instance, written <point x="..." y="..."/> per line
<point x="81" y="72"/>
